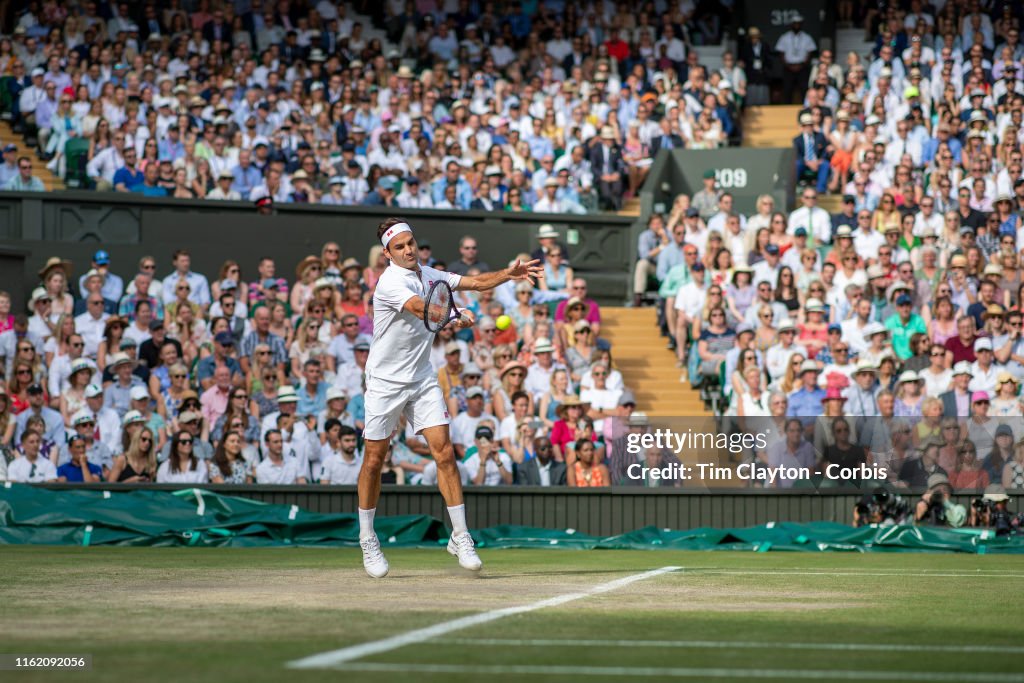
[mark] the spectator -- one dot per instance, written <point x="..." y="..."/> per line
<point x="24" y="181"/>
<point x="31" y="466"/>
<point x="488" y="465"/>
<point x="181" y="465"/>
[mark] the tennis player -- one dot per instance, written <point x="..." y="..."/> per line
<point x="400" y="379"/>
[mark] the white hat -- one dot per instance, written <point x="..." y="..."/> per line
<point x="809" y="366"/>
<point x="38" y="294"/>
<point x="814" y="305"/>
<point x="132" y="416"/>
<point x="786" y="324"/>
<point x="909" y="376"/>
<point x="336" y="392"/>
<point x="545" y="231"/>
<point x="962" y="368"/>
<point x="80" y="364"/>
<point x="542" y="345"/>
<point x="118" y="359"/>
<point x="81" y="417"/>
<point x="139" y="393"/>
<point x="983" y="344"/>
<point x="865" y="366"/>
<point x="286" y="394"/>
<point x="93" y="390"/>
<point x="871" y="329"/>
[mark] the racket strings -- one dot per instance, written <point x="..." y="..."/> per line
<point x="438" y="306"/>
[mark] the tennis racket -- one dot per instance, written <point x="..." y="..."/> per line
<point x="439" y="308"/>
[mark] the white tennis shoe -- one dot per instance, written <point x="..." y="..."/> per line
<point x="461" y="546"/>
<point x="374" y="562"/>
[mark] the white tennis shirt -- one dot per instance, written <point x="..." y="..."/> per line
<point x="400" y="351"/>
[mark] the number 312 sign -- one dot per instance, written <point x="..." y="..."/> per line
<point x="783" y="17"/>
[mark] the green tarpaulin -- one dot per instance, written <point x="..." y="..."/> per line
<point x="195" y="517"/>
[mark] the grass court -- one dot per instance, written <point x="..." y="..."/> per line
<point x="153" y="614"/>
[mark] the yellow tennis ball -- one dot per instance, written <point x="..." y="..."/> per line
<point x="503" y="322"/>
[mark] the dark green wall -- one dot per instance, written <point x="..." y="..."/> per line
<point x="74" y="224"/>
<point x="600" y="512"/>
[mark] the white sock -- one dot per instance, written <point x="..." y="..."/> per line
<point x="458" y="515"/>
<point x="366" y="523"/>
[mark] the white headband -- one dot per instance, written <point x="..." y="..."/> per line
<point x="392" y="231"/>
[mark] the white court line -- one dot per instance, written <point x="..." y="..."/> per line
<point x="740" y="645"/>
<point x="626" y="673"/>
<point x="347" y="654"/>
<point x="787" y="572"/>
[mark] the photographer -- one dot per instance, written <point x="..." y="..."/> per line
<point x="489" y="465"/>
<point x="991" y="511"/>
<point x="882" y="507"/>
<point x="935" y="508"/>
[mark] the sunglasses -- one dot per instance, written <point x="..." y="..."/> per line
<point x="185" y="442"/>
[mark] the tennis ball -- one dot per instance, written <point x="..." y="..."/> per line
<point x="503" y="322"/>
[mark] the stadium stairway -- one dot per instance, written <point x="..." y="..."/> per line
<point x="647" y="367"/>
<point x="630" y="207"/>
<point x="50" y="180"/>
<point x="770" y="126"/>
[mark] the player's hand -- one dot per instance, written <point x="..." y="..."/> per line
<point x="530" y="271"/>
<point x="465" y="319"/>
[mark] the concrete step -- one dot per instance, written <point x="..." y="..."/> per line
<point x="630" y="207"/>
<point x="648" y="369"/>
<point x="770" y="125"/>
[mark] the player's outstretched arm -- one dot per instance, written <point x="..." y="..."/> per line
<point x="530" y="271"/>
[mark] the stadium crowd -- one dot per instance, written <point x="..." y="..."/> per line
<point x="889" y="332"/>
<point x="176" y="377"/>
<point x="513" y="106"/>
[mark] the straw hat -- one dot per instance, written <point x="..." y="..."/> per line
<point x="510" y="366"/>
<point x="53" y="263"/>
<point x="305" y="263"/>
<point x="568" y="403"/>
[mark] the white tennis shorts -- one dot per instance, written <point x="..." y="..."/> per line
<point x="422" y="403"/>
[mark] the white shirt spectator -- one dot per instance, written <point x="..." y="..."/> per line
<point x="676" y="49"/>
<point x="337" y="470"/>
<point x="341" y="348"/>
<point x="690" y="299"/>
<point x="23" y="471"/>
<point x="199" y="287"/>
<point x="601" y="399"/>
<point x="464" y="426"/>
<point x="935" y="384"/>
<point x="199" y="475"/>
<point x="795" y="47"/>
<point x="91" y="331"/>
<point x="230" y="195"/>
<point x="284" y="472"/>
<point x="777" y="359"/>
<point x="108" y="426"/>
<point x="983" y="380"/>
<point x="429" y="477"/>
<point x="349" y="377"/>
<point x="492" y="473"/>
<point x="105" y="164"/>
<point x="817" y="221"/>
